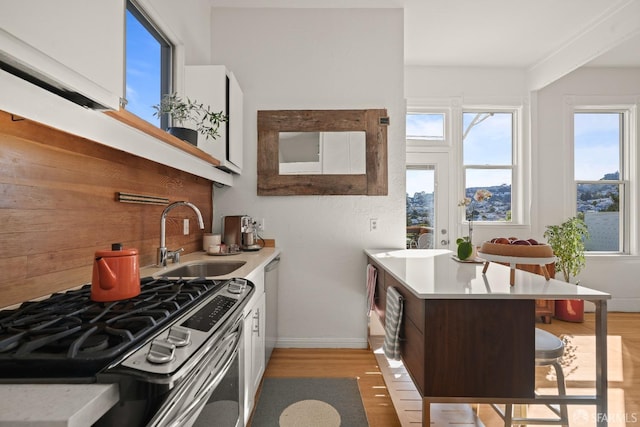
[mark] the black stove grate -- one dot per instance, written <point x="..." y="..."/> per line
<point x="68" y="335"/>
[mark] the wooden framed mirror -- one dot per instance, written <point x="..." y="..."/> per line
<point x="340" y="125"/>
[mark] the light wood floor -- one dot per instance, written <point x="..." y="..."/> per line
<point x="623" y="362"/>
<point x="624" y="368"/>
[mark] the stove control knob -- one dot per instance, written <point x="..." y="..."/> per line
<point x="237" y="286"/>
<point x="179" y="336"/>
<point x="161" y="352"/>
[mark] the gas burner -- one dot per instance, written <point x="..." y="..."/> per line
<point x="68" y="332"/>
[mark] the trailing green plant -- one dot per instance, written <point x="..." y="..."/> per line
<point x="175" y="107"/>
<point x="567" y="242"/>
<point x="210" y="121"/>
<point x="207" y="122"/>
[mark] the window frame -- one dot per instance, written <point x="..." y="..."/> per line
<point x="627" y="165"/>
<point x="429" y="141"/>
<point x="421" y="144"/>
<point x="517" y="183"/>
<point x="167" y="52"/>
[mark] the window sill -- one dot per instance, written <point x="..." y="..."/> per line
<point x="136" y="122"/>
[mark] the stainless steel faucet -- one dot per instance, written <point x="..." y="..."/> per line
<point x="163" y="253"/>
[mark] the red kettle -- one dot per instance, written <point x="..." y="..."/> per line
<point x="116" y="274"/>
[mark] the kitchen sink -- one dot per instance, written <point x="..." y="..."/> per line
<point x="204" y="269"/>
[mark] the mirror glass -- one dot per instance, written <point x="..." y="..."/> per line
<point x="322" y="153"/>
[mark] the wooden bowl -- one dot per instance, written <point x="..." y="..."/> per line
<point x="541" y="250"/>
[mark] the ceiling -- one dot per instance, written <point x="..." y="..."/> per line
<point x="499" y="33"/>
<point x="506" y="33"/>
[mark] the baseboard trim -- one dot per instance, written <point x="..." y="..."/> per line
<point x="628" y="305"/>
<point x="322" y="343"/>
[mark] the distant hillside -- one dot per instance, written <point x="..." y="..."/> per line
<point x="590" y="197"/>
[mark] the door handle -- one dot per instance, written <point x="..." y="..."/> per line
<point x="444" y="242"/>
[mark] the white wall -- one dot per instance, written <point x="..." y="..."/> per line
<point x="471" y="84"/>
<point x="188" y="21"/>
<point x="317" y="59"/>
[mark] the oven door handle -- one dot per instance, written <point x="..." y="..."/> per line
<point x="215" y="368"/>
<point x="202" y="395"/>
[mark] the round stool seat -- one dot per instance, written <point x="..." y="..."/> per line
<point x="548" y="347"/>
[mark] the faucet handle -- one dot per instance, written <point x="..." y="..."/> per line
<point x="175" y="255"/>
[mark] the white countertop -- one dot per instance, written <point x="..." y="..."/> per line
<point x="51" y="405"/>
<point x="434" y="274"/>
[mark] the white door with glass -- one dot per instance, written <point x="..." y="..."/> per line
<point x="427" y="195"/>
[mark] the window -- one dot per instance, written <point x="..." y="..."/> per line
<point x="601" y="178"/>
<point x="148" y="65"/>
<point x="488" y="141"/>
<point x="425" y="126"/>
<point x="420" y="205"/>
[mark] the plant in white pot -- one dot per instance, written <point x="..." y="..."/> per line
<point x="180" y="111"/>
<point x="567" y="242"/>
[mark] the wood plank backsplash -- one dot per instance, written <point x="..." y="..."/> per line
<point x="58" y="205"/>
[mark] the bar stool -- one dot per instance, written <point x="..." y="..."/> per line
<point x="548" y="352"/>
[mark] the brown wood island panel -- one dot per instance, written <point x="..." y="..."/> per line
<point x="380" y="295"/>
<point x="412" y="349"/>
<point x="479" y="348"/>
<point x="413" y="309"/>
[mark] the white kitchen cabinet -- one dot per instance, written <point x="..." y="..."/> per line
<point x="217" y="87"/>
<point x="254" y="341"/>
<point x="74" y="45"/>
<point x="257" y="342"/>
<point x="78" y="46"/>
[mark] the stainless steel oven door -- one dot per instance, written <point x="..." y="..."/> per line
<point x="212" y="394"/>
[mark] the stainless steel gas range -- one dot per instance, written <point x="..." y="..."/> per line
<point x="175" y="350"/>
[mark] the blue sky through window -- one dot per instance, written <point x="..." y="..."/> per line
<point x="143" y="71"/>
<point x="489" y="142"/>
<point x="420" y="180"/>
<point x="597" y="148"/>
<point x="597" y="145"/>
<point x="429" y="126"/>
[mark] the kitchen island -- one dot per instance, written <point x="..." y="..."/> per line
<point x="468" y="336"/>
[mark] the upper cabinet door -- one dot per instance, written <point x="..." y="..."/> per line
<point x="77" y="44"/>
<point x="217" y="87"/>
<point x="235" y="140"/>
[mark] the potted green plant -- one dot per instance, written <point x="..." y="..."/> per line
<point x="207" y="122"/>
<point x="567" y="242"/>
